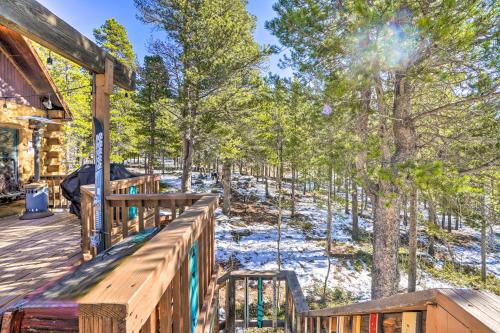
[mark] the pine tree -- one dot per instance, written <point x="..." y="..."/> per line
<point x="154" y="125"/>
<point x="112" y="36"/>
<point x="208" y="47"/>
<point x="400" y="67"/>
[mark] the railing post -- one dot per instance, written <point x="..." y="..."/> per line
<point x="245" y="310"/>
<point x="275" y="305"/>
<point x="230" y="305"/>
<point x="141" y="216"/>
<point x="174" y="209"/>
<point x="157" y="214"/>
<point x="287" y="308"/>
<point x="85" y="213"/>
<point x="176" y="303"/>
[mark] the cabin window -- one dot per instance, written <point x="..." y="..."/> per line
<point x="9" y="161"/>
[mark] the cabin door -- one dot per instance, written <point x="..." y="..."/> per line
<point x="9" y="160"/>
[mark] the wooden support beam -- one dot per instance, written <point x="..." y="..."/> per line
<point x="33" y="20"/>
<point x="103" y="88"/>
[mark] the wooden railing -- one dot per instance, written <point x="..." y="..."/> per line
<point x="124" y="220"/>
<point x="56" y="199"/>
<point x="430" y="311"/>
<point x="294" y="301"/>
<point x="167" y="285"/>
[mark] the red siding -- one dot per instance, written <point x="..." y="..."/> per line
<point x="12" y="83"/>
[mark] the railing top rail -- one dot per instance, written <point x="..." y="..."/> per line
<point x="156" y="196"/>
<point x="254" y="275"/>
<point x="127" y="182"/>
<point x="397" y="303"/>
<point x="121" y="183"/>
<point x="134" y="288"/>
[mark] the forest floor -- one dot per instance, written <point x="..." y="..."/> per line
<point x="248" y="240"/>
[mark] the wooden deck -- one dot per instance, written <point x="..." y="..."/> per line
<point x="34" y="253"/>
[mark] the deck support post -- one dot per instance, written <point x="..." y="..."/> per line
<point x="103" y="88"/>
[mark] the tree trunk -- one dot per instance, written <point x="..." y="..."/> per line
<point x="305" y="185"/>
<point x="412" y="246"/>
<point x="329" y="216"/>
<point x="361" y="208"/>
<point x="405" y="210"/>
<point x="432" y="223"/>
<point x="187" y="161"/>
<point x="385" y="272"/>
<point x="334" y="194"/>
<point x="365" y="203"/>
<point x="483" y="241"/>
<point x="346" y="189"/>
<point x="266" y="177"/>
<point x="355" y="226"/>
<point x="280" y="197"/>
<point x="449" y="221"/>
<point x="443" y="219"/>
<point x="483" y="251"/>
<point x="226" y="183"/>
<point x="329" y="220"/>
<point x="293" y="193"/>
<point x="163" y="162"/>
<point x="387" y="194"/>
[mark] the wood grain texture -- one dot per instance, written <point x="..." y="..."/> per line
<point x="33" y="20"/>
<point x="396" y="303"/>
<point x="34" y="253"/>
<point x="137" y="285"/>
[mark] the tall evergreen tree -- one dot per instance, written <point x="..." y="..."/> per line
<point x="112" y="36"/>
<point x="208" y="47"/>
<point x="151" y="113"/>
<point x="389" y="61"/>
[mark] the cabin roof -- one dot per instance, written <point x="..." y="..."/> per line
<point x="19" y="49"/>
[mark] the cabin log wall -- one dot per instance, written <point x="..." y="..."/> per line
<point x="14" y="84"/>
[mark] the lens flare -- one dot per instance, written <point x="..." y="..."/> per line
<point x="393" y="44"/>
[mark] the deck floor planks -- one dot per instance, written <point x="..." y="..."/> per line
<point x="36" y="252"/>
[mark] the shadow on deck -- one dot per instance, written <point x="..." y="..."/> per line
<point x="34" y="253"/>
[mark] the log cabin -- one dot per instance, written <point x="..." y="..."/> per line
<point x="156" y="272"/>
<point x="27" y="90"/>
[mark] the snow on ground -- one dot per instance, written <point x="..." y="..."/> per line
<point x="255" y="246"/>
<point x="470" y="253"/>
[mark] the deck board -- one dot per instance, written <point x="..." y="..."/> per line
<point x="34" y="253"/>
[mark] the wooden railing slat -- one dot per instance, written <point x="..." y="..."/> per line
<point x="176" y="314"/>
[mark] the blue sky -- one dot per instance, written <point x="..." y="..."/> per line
<point x="85" y="15"/>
